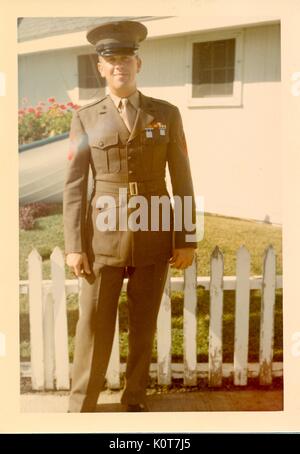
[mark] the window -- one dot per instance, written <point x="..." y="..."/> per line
<point x="91" y="85"/>
<point x="215" y="70"/>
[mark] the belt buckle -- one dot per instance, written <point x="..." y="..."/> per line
<point x="133" y="188"/>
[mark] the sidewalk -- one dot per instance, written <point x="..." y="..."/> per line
<point x="109" y="401"/>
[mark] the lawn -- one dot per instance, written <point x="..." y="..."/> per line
<point x="228" y="233"/>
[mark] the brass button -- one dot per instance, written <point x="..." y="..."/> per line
<point x="130" y="171"/>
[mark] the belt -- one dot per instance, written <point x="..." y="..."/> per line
<point x="133" y="187"/>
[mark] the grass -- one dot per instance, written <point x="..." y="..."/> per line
<point x="231" y="233"/>
<point x="177" y="324"/>
<point x="47" y="234"/>
<point x="228" y="233"/>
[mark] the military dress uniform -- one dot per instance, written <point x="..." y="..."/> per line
<point x="134" y="161"/>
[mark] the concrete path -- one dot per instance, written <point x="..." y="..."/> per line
<point x="109" y="401"/>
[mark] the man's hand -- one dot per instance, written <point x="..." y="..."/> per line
<point x="79" y="262"/>
<point x="182" y="258"/>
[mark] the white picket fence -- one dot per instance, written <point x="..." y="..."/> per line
<point x="50" y="369"/>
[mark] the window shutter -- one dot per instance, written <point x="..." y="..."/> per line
<point x="89" y="79"/>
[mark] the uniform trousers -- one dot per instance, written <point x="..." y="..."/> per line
<point x="95" y="329"/>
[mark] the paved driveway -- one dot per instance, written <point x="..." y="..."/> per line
<point x="109" y="401"/>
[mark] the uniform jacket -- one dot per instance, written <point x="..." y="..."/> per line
<point x="100" y="141"/>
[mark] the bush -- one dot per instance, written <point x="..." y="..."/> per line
<point x="26" y="218"/>
<point x="28" y="213"/>
<point x="43" y="121"/>
<point x="39" y="209"/>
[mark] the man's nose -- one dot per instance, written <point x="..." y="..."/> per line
<point x="120" y="63"/>
<point x="120" y="67"/>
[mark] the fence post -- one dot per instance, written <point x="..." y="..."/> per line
<point x="35" y="283"/>
<point x="190" y="325"/>
<point x="60" y="320"/>
<point x="215" y="319"/>
<point x="164" y="337"/>
<point x="241" y="327"/>
<point x="267" y="317"/>
<point x="48" y="326"/>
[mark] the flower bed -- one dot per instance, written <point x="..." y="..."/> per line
<point x="44" y="120"/>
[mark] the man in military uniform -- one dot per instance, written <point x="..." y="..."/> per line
<point x="125" y="138"/>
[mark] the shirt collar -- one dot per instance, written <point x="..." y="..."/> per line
<point x="134" y="99"/>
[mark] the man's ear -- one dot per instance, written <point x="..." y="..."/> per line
<point x="100" y="67"/>
<point x="139" y="63"/>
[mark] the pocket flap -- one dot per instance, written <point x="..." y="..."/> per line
<point x="107" y="141"/>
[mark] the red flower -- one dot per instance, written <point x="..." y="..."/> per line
<point x="76" y="106"/>
<point x="70" y="104"/>
<point x="38" y="114"/>
<point x="31" y="109"/>
<point x="39" y="108"/>
<point x="21" y="112"/>
<point x="62" y="106"/>
<point x="51" y="99"/>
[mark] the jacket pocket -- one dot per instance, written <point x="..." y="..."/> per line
<point x="107" y="154"/>
<point x="106" y="234"/>
<point x="154" y="150"/>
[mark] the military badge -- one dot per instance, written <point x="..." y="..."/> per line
<point x="162" y="129"/>
<point x="156" y="125"/>
<point x="149" y="132"/>
<point x="72" y="146"/>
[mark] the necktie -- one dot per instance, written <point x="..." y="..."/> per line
<point x="128" y="113"/>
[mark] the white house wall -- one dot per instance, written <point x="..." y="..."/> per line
<point x="234" y="151"/>
<point x="50" y="74"/>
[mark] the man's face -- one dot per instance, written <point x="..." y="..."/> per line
<point x="120" y="72"/>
